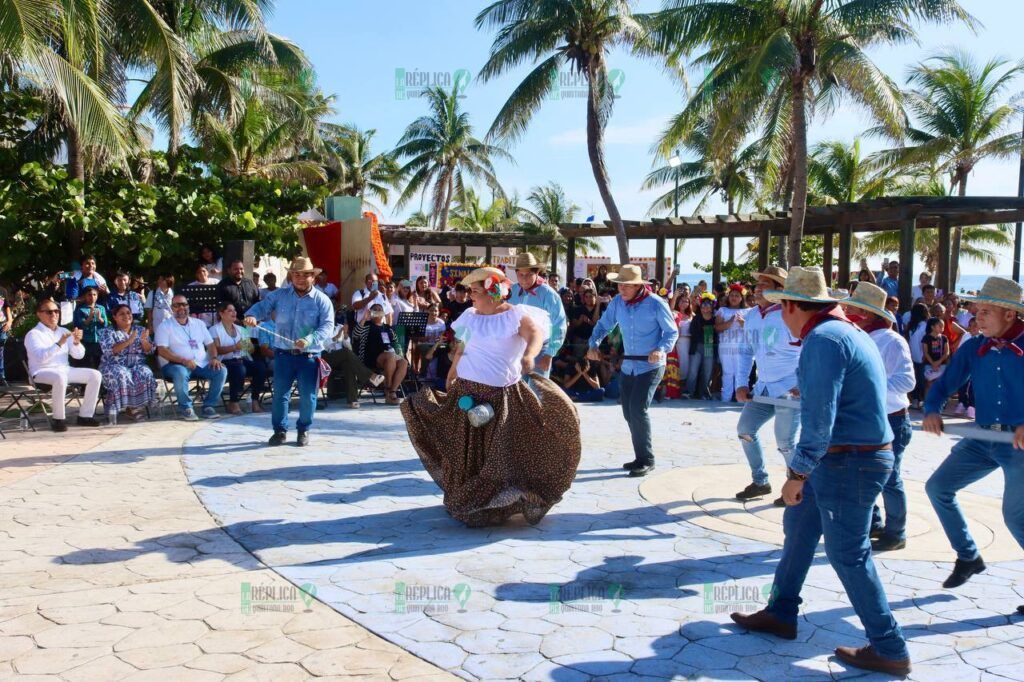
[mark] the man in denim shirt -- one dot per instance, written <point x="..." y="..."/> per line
<point x="533" y="291"/>
<point x="994" y="360"/>
<point x="842" y="459"/>
<point x="304" y="320"/>
<point x="649" y="332"/>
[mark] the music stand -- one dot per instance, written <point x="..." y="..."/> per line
<point x="415" y="323"/>
<point x="202" y="298"/>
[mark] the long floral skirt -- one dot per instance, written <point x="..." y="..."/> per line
<point x="521" y="462"/>
<point x="127" y="387"/>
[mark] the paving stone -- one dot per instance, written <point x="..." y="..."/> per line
<point x="162" y="656"/>
<point x="220" y="663"/>
<point x="281" y="650"/>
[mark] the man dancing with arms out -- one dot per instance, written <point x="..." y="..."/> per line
<point x="841" y="462"/>
<point x="649" y="332"/>
<point x="995" y="360"/>
<point x="766" y="341"/>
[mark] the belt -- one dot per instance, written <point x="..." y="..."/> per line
<point x="281" y="351"/>
<point x="858" y="448"/>
<point x="997" y="427"/>
<point x="899" y="413"/>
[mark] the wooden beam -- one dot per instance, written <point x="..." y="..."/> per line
<point x="827" y="264"/>
<point x="659" y="260"/>
<point x="716" y="261"/>
<point x="408" y="260"/>
<point x="764" y="249"/>
<point x="906" y="263"/>
<point x="554" y="259"/>
<point x="845" y="244"/>
<point x="487" y="255"/>
<point x="570" y="260"/>
<point x="462" y="253"/>
<point x="942" y="271"/>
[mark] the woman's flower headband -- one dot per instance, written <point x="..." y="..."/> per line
<point x="497" y="288"/>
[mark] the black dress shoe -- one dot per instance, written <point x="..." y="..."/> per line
<point x="884" y="544"/>
<point x="629" y="466"/>
<point x="779" y="502"/>
<point x="59" y="425"/>
<point x="763" y="621"/>
<point x="754" y="490"/>
<point x="87" y="421"/>
<point x="302" y="439"/>
<point x="866" y="658"/>
<point x="278" y="438"/>
<point x="1020" y="609"/>
<point x="963" y="570"/>
<point x="876" y="533"/>
<point x="641" y="470"/>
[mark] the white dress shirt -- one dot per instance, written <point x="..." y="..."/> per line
<point x="187" y="341"/>
<point x="363" y="315"/>
<point x="766" y="340"/>
<point x="41" y="344"/>
<point x="899" y="368"/>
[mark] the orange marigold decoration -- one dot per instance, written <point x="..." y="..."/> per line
<point x="379" y="254"/>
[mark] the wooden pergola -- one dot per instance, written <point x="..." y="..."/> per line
<point x="834" y="222"/>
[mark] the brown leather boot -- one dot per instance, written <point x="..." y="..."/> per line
<point x="866" y="659"/>
<point x="762" y="621"/>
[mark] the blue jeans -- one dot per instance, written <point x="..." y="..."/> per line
<point x="787" y="423"/>
<point x="589" y="395"/>
<point x="837" y="503"/>
<point x="238" y="369"/>
<point x="698" y="374"/>
<point x="893" y="496"/>
<point x="180" y="376"/>
<point x="970" y="461"/>
<point x="289" y="369"/>
<point x="637" y="392"/>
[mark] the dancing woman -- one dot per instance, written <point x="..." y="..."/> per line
<point x="525" y="457"/>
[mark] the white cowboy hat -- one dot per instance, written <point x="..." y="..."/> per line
<point x="481" y="274"/>
<point x="803" y="284"/>
<point x="871" y="298"/>
<point x="303" y="264"/>
<point x="999" y="291"/>
<point x="627" y="274"/>
<point x="773" y="272"/>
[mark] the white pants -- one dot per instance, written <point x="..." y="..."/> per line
<point x="730" y="359"/>
<point x="59" y="380"/>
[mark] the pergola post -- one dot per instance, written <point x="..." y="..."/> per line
<point x="942" y="271"/>
<point x="907" y="262"/>
<point x="764" y="249"/>
<point x="554" y="259"/>
<point x="716" y="261"/>
<point x="659" y="259"/>
<point x="827" y="264"/>
<point x="487" y="255"/>
<point x="462" y="253"/>
<point x="845" y="246"/>
<point x="408" y="260"/>
<point x="570" y="260"/>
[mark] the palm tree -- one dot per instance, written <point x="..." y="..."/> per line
<point x="550" y="207"/>
<point x="561" y="33"/>
<point x="470" y="215"/>
<point x="356" y="171"/>
<point x="838" y="173"/>
<point x="981" y="244"/>
<point x="442" y="154"/>
<point x="960" y="121"/>
<point x="773" y="57"/>
<point x="418" y="219"/>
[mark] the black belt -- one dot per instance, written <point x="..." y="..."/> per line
<point x="833" y="449"/>
<point x="302" y="353"/>
<point x="900" y="413"/>
<point x="997" y="427"/>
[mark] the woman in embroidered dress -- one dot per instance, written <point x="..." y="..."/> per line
<point x="129" y="381"/>
<point x="525" y="457"/>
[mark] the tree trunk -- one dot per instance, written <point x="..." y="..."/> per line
<point x="796" y="228"/>
<point x="954" y="247"/>
<point x="443" y="225"/>
<point x="173" y="145"/>
<point x="732" y="240"/>
<point x="595" y="148"/>
<point x="76" y="171"/>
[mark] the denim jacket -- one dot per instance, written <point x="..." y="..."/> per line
<point x="646" y="326"/>
<point x="544" y="297"/>
<point x="309" y="317"/>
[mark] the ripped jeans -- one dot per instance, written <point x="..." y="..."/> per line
<point x="754" y="416"/>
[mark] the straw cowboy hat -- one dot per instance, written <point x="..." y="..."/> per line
<point x="303" y="264"/>
<point x="627" y="274"/>
<point x="1000" y="291"/>
<point x="773" y="272"/>
<point x="871" y="298"/>
<point x="526" y="260"/>
<point x="481" y="274"/>
<point x="803" y="284"/>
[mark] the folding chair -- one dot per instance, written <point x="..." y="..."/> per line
<point x="14" y="394"/>
<point x="38" y="397"/>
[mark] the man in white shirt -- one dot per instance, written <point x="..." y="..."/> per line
<point x="869" y="300"/>
<point x="767" y="341"/>
<point x="187" y="351"/>
<point x="369" y="295"/>
<point x="326" y="287"/>
<point x="48" y="347"/>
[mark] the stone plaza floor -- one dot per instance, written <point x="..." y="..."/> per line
<point x="178" y="551"/>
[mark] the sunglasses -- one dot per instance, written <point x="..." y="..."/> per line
<point x="50" y="311"/>
<point x="179" y="305"/>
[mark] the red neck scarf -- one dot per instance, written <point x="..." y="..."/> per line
<point x="532" y="291"/>
<point x="1005" y="341"/>
<point x="875" y="323"/>
<point x="644" y="293"/>
<point x="833" y="312"/>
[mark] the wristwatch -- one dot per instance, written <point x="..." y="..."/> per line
<point x="794" y="476"/>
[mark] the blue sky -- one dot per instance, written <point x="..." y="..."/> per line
<point x="357" y="46"/>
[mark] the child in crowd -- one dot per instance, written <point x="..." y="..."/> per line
<point x="965" y="396"/>
<point x="90" y="317"/>
<point x="935" y="348"/>
<point x="729" y="325"/>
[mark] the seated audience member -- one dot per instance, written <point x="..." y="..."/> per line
<point x="86" y="277"/>
<point x="582" y="384"/>
<point x="270" y="282"/>
<point x="48" y="347"/>
<point x="203" y="278"/>
<point x="438" y="368"/>
<point x="370" y="294"/>
<point x="6" y="321"/>
<point x="339" y="355"/>
<point x="608" y="371"/>
<point x="432" y="335"/>
<point x="129" y="381"/>
<point x="379" y="352"/>
<point x="91" y="318"/>
<point x="158" y="302"/>
<point x="459" y="304"/>
<point x="562" y="364"/>
<point x="137" y="283"/>
<point x="423" y="295"/>
<point x="212" y="262"/>
<point x="233" y="349"/>
<point x="123" y="295"/>
<point x="187" y="351"/>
